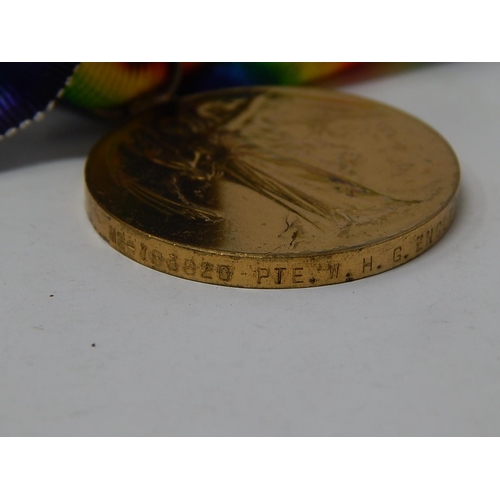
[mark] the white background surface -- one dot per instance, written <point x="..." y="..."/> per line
<point x="414" y="351"/>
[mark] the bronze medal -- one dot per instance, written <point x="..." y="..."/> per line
<point x="272" y="188"/>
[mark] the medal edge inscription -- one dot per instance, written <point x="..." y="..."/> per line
<point x="268" y="272"/>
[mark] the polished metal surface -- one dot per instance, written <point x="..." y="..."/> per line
<point x="272" y="188"/>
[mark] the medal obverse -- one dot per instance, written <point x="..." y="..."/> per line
<point x="272" y="188"/>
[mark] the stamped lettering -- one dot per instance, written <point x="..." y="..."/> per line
<point x="367" y="264"/>
<point x="419" y="244"/>
<point x="225" y="273"/>
<point x="278" y="274"/>
<point x="333" y="269"/>
<point x="112" y="234"/>
<point x="157" y="258"/>
<point x="262" y="273"/>
<point x="189" y="267"/>
<point x="297" y="275"/>
<point x="207" y="270"/>
<point x="143" y="254"/>
<point x="172" y="263"/>
<point x="428" y="236"/>
<point x="120" y="240"/>
<point x="396" y="254"/>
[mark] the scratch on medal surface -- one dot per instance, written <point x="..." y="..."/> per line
<point x="295" y="228"/>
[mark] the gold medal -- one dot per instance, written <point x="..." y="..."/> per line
<point x="272" y="188"/>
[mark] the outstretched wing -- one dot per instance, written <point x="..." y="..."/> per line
<point x="280" y="190"/>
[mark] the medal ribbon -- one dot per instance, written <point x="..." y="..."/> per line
<point x="27" y="90"/>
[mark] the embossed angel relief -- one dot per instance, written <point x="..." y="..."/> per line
<point x="188" y="165"/>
